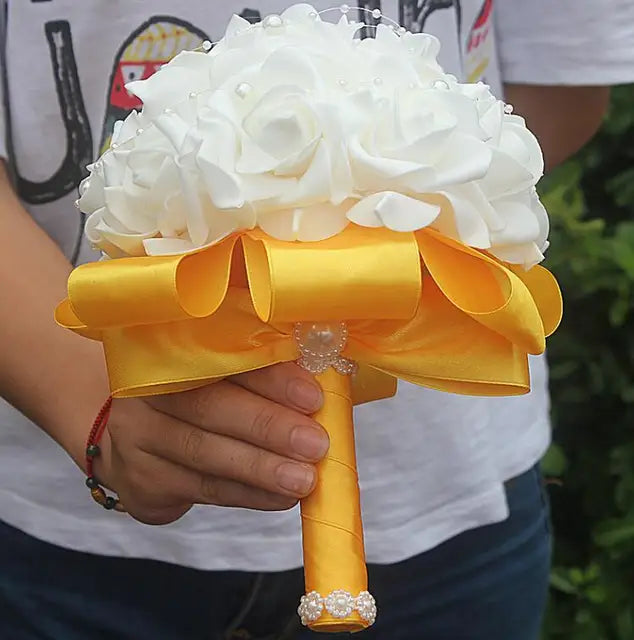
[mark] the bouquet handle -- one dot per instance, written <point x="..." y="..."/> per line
<point x="336" y="597"/>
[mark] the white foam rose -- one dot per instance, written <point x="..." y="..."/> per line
<point x="298" y="127"/>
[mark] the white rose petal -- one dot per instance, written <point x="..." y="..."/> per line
<point x="308" y="224"/>
<point x="394" y="211"/>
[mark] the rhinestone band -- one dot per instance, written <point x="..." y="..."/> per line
<point x="339" y="604"/>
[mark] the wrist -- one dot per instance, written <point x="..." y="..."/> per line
<point x="77" y="398"/>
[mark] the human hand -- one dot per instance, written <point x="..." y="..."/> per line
<point x="246" y="442"/>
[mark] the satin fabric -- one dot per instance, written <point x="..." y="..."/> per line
<point x="331" y="527"/>
<point x="418" y="306"/>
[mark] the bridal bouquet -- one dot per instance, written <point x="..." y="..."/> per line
<point x="297" y="193"/>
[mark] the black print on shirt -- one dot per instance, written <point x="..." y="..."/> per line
<point x="252" y="15"/>
<point x="366" y="17"/>
<point x="144" y="51"/>
<point x="413" y="14"/>
<point x="74" y="117"/>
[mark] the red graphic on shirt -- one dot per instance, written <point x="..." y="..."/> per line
<point x="127" y="72"/>
<point x="479" y="44"/>
<point x="481" y="27"/>
<point x="143" y="53"/>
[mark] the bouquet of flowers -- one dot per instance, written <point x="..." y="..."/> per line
<point x="298" y="193"/>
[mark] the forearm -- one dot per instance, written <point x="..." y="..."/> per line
<point x="562" y="118"/>
<point x="54" y="377"/>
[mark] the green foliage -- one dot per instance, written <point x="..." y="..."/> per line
<point x="591" y="201"/>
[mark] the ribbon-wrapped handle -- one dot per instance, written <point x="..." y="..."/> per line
<point x="334" y="555"/>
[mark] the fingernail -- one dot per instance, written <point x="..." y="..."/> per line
<point x="309" y="442"/>
<point x="296" y="478"/>
<point x="304" y="394"/>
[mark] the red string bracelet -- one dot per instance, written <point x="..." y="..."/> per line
<point x="92" y="451"/>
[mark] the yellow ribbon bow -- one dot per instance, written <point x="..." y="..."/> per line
<point x="418" y="306"/>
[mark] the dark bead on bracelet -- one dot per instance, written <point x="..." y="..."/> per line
<point x="110" y="503"/>
<point x="93" y="450"/>
<point x="92" y="483"/>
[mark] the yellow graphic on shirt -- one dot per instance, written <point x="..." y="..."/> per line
<point x="479" y="45"/>
<point x="148" y="48"/>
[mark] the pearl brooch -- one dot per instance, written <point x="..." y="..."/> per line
<point x="320" y="345"/>
<point x="339" y="604"/>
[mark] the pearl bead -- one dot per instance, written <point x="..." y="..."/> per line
<point x="206" y="45"/>
<point x="342" y="83"/>
<point x="402" y="30"/>
<point x="140" y="131"/>
<point x="168" y="111"/>
<point x="114" y="146"/>
<point x="376" y="14"/>
<point x="193" y="94"/>
<point x="440" y="84"/>
<point x="508" y="109"/>
<point x="344" y="8"/>
<point x="76" y="204"/>
<point x="273" y="22"/>
<point x="313" y="15"/>
<point x="378" y="81"/>
<point x="243" y="89"/>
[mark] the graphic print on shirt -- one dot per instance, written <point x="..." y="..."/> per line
<point x="74" y="117"/>
<point x="479" y="45"/>
<point x="367" y="18"/>
<point x="413" y="14"/>
<point x="146" y="50"/>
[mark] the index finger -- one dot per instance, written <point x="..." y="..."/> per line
<point x="286" y="384"/>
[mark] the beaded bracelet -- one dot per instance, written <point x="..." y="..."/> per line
<point x="92" y="451"/>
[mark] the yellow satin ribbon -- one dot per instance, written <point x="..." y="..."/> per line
<point x="418" y="306"/>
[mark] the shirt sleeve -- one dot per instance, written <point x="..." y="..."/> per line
<point x="566" y="42"/>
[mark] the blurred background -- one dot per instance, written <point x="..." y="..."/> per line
<point x="591" y="465"/>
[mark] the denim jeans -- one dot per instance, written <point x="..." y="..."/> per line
<point x="486" y="584"/>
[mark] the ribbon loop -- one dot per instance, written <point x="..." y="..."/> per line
<point x="483" y="289"/>
<point x="150" y="290"/>
<point x="362" y="273"/>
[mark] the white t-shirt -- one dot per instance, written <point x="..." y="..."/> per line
<point x="431" y="464"/>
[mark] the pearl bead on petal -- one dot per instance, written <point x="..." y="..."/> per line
<point x="273" y="22"/>
<point x="243" y="89"/>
